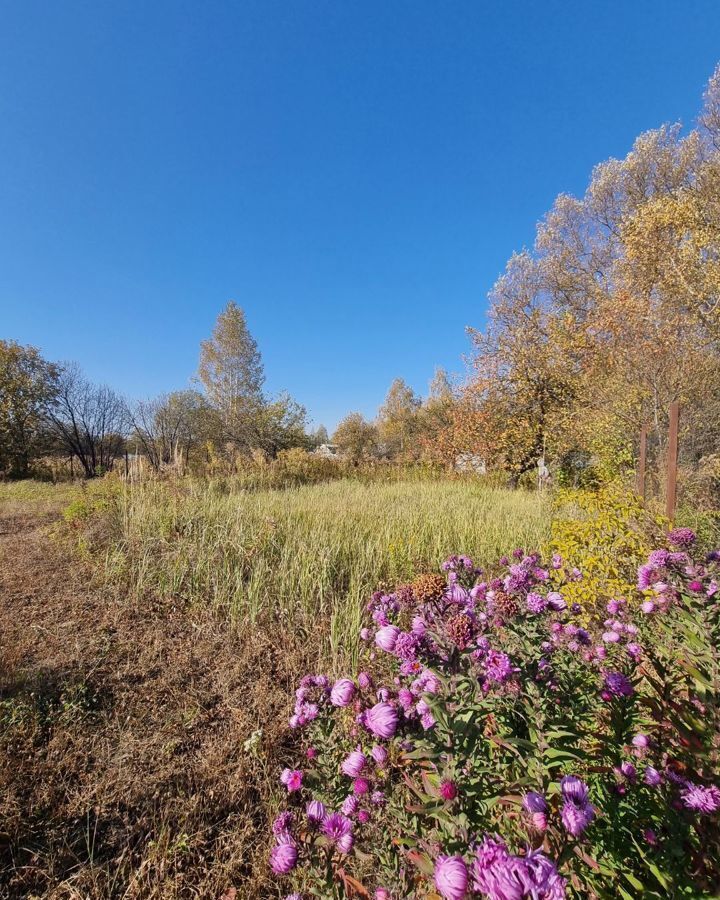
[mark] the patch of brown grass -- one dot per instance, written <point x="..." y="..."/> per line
<point x="123" y="770"/>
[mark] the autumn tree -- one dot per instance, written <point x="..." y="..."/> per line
<point x="615" y="313"/>
<point x="320" y="436"/>
<point x="356" y="438"/>
<point x="397" y="422"/>
<point x="28" y="383"/>
<point x="231" y="373"/>
<point x="169" y="427"/>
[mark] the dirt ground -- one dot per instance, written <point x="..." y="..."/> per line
<point x="124" y="769"/>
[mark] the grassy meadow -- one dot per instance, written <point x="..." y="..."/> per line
<point x="308" y="556"/>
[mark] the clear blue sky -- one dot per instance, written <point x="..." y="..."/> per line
<point x="354" y="174"/>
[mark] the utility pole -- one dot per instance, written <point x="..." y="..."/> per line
<point x="672" y="462"/>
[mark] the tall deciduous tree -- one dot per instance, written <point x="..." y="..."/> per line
<point x="355" y="437"/>
<point x="397" y="424"/>
<point x="89" y="422"/>
<point x="231" y="372"/>
<point x="28" y="383"/>
<point x="169" y="427"/>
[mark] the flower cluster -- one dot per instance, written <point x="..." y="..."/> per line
<point x="499" y="740"/>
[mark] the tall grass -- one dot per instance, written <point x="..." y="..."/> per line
<point x="308" y="557"/>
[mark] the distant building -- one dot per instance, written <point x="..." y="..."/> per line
<point x="470" y="464"/>
<point x="327" y="451"/>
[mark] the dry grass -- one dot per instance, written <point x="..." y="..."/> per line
<point x="311" y="553"/>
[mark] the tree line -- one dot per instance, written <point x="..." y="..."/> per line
<point x="592" y="333"/>
<point x="51" y="410"/>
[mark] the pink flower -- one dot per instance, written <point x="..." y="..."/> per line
<point x="315" y="811"/>
<point x="382" y="894"/>
<point x="349" y="805"/>
<point x="641" y="741"/>
<point x="292" y="779"/>
<point x="342" y="693"/>
<point x="354" y="763"/>
<point x="361" y="786"/>
<point x="448" y="789"/>
<point x="365" y="681"/>
<point x="379" y="754"/>
<point x="451" y="877"/>
<point x="382" y="720"/>
<point x="386" y="637"/>
<point x="283" y="858"/>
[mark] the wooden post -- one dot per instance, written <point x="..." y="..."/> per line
<point x="672" y="462"/>
<point x="642" y="459"/>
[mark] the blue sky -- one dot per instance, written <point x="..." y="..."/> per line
<point x="354" y="174"/>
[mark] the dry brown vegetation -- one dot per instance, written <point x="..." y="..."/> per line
<point x="123" y="771"/>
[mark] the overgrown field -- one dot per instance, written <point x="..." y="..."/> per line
<point x="309" y="555"/>
<point x="150" y="641"/>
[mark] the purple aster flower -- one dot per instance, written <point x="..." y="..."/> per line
<point x="575" y="790"/>
<point x="576" y="818"/>
<point x="405" y="698"/>
<point x="292" y="779"/>
<point x="618" y="685"/>
<point x="658" y="558"/>
<point x="641" y="741"/>
<point x="647" y="606"/>
<point x="501" y="876"/>
<point x="379" y="754"/>
<point x="419" y="626"/>
<point x="364" y="634"/>
<point x="534" y="802"/>
<point x="361" y="786"/>
<point x="377" y="798"/>
<point x="556" y="601"/>
<point x="647" y="574"/>
<point x="536" y="603"/>
<point x="342" y="693"/>
<point x="405" y="646"/>
<point x="451" y="877"/>
<point x="382" y="894"/>
<point x="498" y="666"/>
<point x="336" y="826"/>
<point x="448" y="789"/>
<point x="682" y="538"/>
<point x="382" y="720"/>
<point x="283" y="858"/>
<point x="611" y="637"/>
<point x="628" y="771"/>
<point x="386" y="637"/>
<point x="350" y="805"/>
<point x="365" y="681"/>
<point x="427" y="720"/>
<point x="283" y="823"/>
<point x="354" y="763"/>
<point x="696" y="586"/>
<point x="652" y="777"/>
<point x="557" y="561"/>
<point x="315" y="811"/>
<point x="702" y="799"/>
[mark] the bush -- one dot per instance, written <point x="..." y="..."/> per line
<point x="607" y="534"/>
<point x="494" y="747"/>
